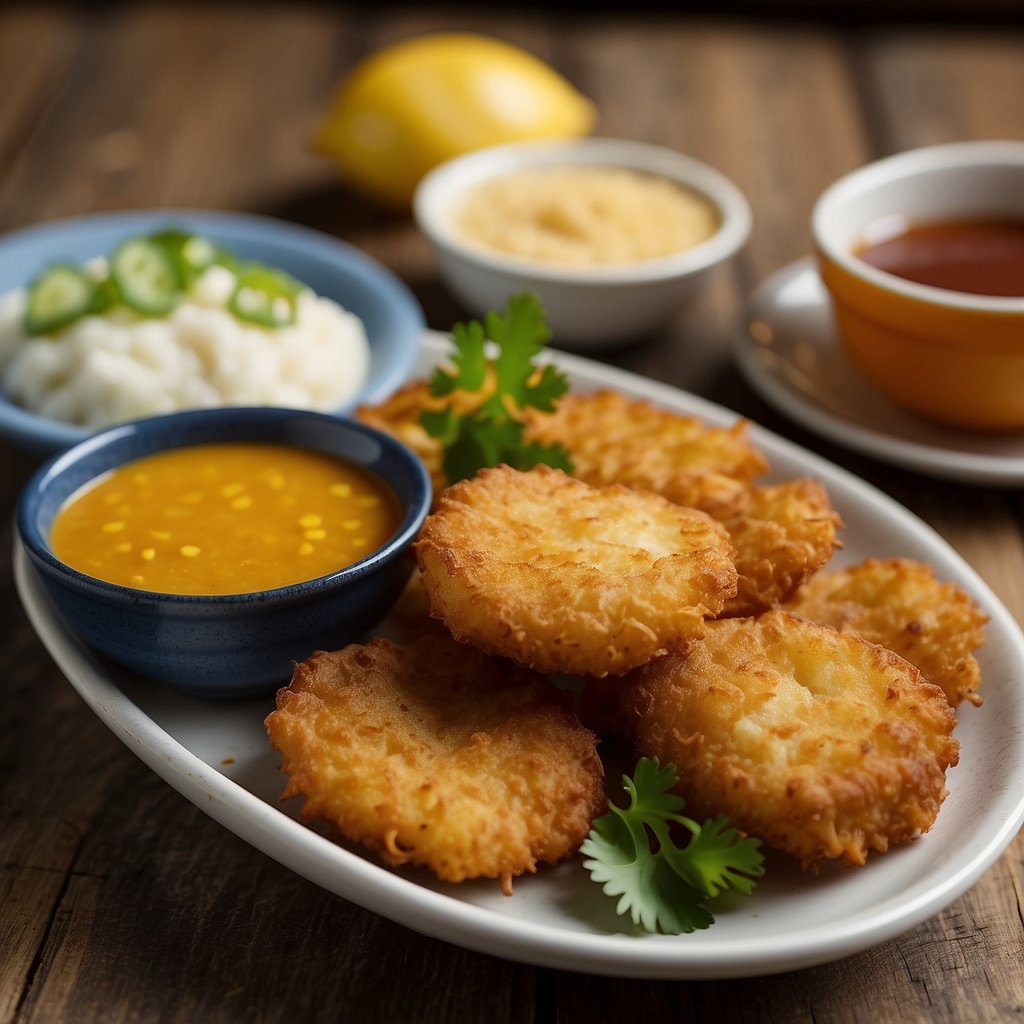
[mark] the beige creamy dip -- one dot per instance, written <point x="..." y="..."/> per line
<point x="585" y="215"/>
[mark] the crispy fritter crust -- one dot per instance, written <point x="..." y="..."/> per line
<point x="783" y="534"/>
<point x="565" y="577"/>
<point x="611" y="439"/>
<point x="820" y="743"/>
<point x="399" y="416"/>
<point x="437" y="755"/>
<point x="899" y="604"/>
<point x="615" y="439"/>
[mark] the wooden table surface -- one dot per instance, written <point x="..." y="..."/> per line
<point x="120" y="900"/>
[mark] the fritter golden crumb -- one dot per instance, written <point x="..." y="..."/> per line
<point x="899" y="604"/>
<point x="437" y="755"/>
<point x="615" y="439"/>
<point x="400" y="414"/>
<point x="783" y="533"/>
<point x="820" y="743"/>
<point x="565" y="577"/>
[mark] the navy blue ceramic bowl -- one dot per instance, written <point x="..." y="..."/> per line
<point x="392" y="317"/>
<point x="235" y="644"/>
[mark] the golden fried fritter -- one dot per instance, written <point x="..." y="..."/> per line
<point x="615" y="439"/>
<point x="399" y="416"/>
<point x="438" y="755"/>
<point x="820" y="743"/>
<point x="565" y="577"/>
<point x="610" y="438"/>
<point x="783" y="533"/>
<point x="899" y="604"/>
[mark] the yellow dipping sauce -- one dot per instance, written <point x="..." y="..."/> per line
<point x="225" y="519"/>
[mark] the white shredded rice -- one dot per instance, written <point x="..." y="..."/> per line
<point x="119" y="366"/>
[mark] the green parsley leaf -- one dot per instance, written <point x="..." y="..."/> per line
<point x="493" y="432"/>
<point x="717" y="859"/>
<point x="469" y="360"/>
<point x="521" y="335"/>
<point x="664" y="887"/>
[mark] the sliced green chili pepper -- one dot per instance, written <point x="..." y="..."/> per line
<point x="146" y="276"/>
<point x="151" y="276"/>
<point x="104" y="296"/>
<point x="265" y="296"/>
<point x="59" y="295"/>
<point x="192" y="254"/>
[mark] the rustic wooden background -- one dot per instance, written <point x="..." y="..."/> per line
<point x="119" y="900"/>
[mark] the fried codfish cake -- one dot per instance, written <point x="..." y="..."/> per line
<point x="610" y="438"/>
<point x="820" y="743"/>
<point x="783" y="534"/>
<point x="565" y="577"/>
<point x="437" y="755"/>
<point x="615" y="439"/>
<point x="899" y="604"/>
<point x="399" y="416"/>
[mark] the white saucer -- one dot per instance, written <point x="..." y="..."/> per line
<point x="788" y="351"/>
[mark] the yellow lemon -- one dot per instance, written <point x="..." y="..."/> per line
<point x="417" y="103"/>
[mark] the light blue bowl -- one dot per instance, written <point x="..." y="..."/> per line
<point x="234" y="644"/>
<point x="393" y="318"/>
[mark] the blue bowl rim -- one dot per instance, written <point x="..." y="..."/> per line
<point x="44" y="433"/>
<point x="37" y="545"/>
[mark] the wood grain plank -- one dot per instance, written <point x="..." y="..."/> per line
<point x="36" y="44"/>
<point x="59" y="763"/>
<point x="43" y="817"/>
<point x="925" y="86"/>
<point x="215" y="112"/>
<point x="123" y="902"/>
<point x="167" y="902"/>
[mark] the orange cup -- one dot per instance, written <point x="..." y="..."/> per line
<point x="952" y="357"/>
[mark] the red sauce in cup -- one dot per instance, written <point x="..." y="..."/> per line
<point x="983" y="257"/>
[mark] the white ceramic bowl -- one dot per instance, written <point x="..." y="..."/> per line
<point x="587" y="307"/>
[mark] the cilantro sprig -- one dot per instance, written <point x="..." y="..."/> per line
<point x="492" y="432"/>
<point x="664" y="887"/>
